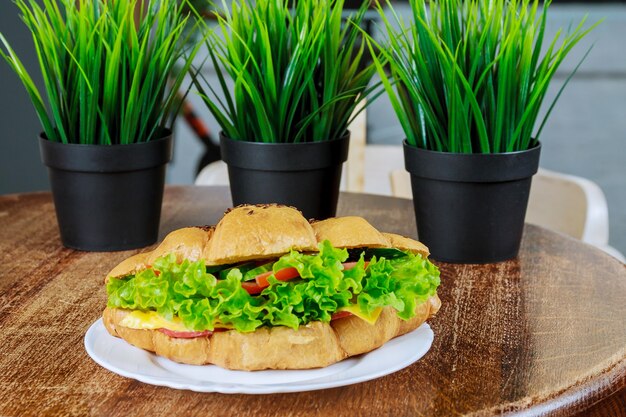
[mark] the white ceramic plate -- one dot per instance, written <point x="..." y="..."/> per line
<point x="124" y="359"/>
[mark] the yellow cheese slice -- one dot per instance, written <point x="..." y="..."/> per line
<point x="151" y="320"/>
<point x="370" y="318"/>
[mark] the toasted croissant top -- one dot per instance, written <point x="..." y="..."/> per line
<point x="349" y="232"/>
<point x="262" y="232"/>
<point x="257" y="232"/>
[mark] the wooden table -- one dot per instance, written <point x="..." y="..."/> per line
<point x="544" y="334"/>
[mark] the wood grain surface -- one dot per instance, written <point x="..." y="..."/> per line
<point x="541" y="335"/>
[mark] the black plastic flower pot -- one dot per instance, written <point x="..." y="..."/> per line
<point x="107" y="198"/>
<point x="302" y="175"/>
<point x="470" y="208"/>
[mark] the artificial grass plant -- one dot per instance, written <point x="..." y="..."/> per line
<point x="106" y="66"/>
<point x="469" y="76"/>
<point x="288" y="71"/>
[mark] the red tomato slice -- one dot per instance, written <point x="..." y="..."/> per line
<point x="350" y="265"/>
<point x="283" y="275"/>
<point x="252" y="287"/>
<point x="340" y="315"/>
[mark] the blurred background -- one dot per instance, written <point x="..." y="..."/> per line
<point x="586" y="135"/>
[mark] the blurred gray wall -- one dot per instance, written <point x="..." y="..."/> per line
<point x="20" y="166"/>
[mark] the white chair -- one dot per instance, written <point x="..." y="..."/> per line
<point x="567" y="204"/>
<point x="216" y="173"/>
<point x="571" y="205"/>
<point x="401" y="184"/>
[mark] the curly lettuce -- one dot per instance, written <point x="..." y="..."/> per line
<point x="203" y="301"/>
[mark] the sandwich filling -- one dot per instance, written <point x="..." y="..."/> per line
<point x="190" y="299"/>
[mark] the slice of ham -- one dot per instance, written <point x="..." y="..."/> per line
<point x="189" y="335"/>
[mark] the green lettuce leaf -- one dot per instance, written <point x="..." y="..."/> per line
<point x="202" y="301"/>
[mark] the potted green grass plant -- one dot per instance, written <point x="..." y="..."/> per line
<point x="106" y="140"/>
<point x="467" y="80"/>
<point x="290" y="78"/>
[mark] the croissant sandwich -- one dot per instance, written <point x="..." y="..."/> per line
<point x="266" y="289"/>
